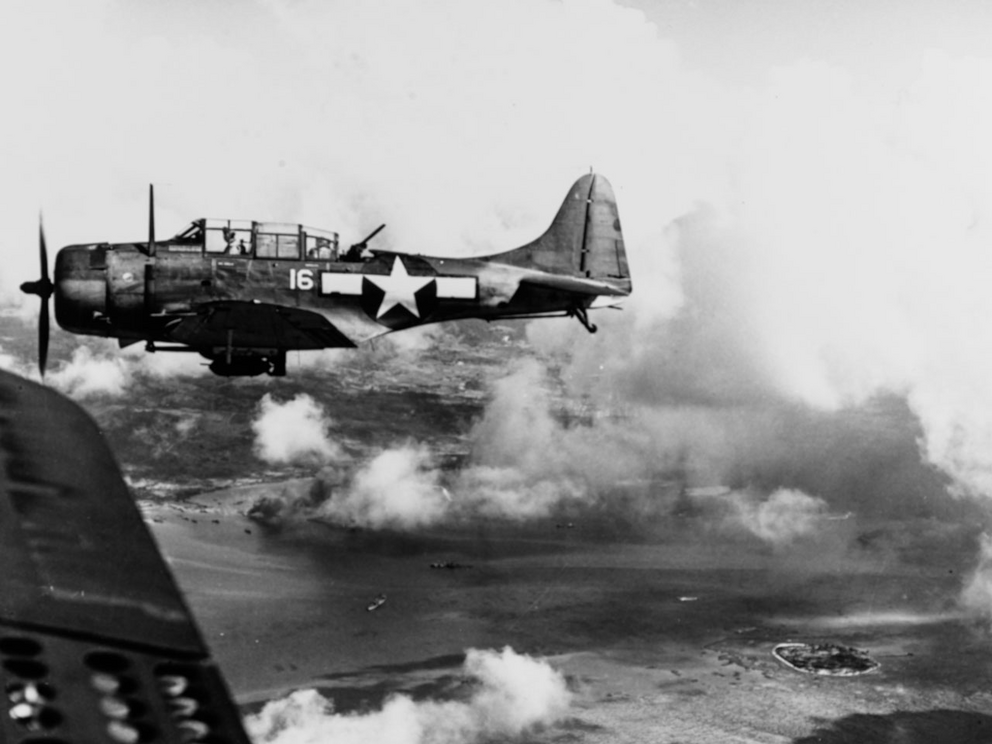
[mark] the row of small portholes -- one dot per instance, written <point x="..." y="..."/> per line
<point x="31" y="706"/>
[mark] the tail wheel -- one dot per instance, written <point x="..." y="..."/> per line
<point x="580" y="313"/>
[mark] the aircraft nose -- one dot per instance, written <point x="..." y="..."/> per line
<point x="43" y="288"/>
<point x="81" y="287"/>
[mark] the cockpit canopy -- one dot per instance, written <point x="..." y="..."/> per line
<point x="250" y="239"/>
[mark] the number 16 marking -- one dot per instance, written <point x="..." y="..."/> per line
<point x="301" y="279"/>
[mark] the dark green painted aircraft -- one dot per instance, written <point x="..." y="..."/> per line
<point x="243" y="293"/>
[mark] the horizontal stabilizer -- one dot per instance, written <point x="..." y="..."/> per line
<point x="574" y="285"/>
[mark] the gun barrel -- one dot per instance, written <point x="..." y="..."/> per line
<point x="372" y="234"/>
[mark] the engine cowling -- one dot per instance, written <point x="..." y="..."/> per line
<point x="81" y="290"/>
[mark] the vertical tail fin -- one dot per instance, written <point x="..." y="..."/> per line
<point x="584" y="239"/>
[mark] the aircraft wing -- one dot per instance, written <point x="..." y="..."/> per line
<point x="257" y="324"/>
<point x="96" y="642"/>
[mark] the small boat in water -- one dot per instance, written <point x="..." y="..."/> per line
<point x="376" y="603"/>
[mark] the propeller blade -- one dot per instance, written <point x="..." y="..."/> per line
<point x="43" y="288"/>
<point x="43" y="332"/>
<point x="43" y="251"/>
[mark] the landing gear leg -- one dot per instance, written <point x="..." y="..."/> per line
<point x="279" y="365"/>
<point x="579" y="312"/>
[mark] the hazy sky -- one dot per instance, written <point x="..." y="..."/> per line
<point x="442" y="111"/>
<point x="880" y="42"/>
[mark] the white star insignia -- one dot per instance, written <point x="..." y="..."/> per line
<point x="399" y="287"/>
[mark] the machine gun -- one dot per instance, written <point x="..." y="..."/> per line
<point x="355" y="251"/>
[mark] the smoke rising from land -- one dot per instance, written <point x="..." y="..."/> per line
<point x="98" y="368"/>
<point x="294" y="431"/>
<point x="511" y="694"/>
<point x="88" y="374"/>
<point x="396" y="488"/>
<point x="781" y="518"/>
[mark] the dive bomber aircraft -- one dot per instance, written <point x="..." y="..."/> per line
<point x="243" y="293"/>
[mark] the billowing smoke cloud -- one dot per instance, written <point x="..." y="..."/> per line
<point x="537" y="451"/>
<point x="864" y="280"/>
<point x="779" y="519"/>
<point x="295" y="431"/>
<point x="525" y="463"/>
<point x="397" y="488"/>
<point x="522" y="464"/>
<point x="511" y="694"/>
<point x="294" y="501"/>
<point x="88" y="374"/>
<point x="527" y="460"/>
<point x="98" y="368"/>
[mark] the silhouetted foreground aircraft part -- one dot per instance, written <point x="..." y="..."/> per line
<point x="96" y="642"/>
<point x="242" y="293"/>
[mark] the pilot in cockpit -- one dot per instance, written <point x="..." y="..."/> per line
<point x="324" y="250"/>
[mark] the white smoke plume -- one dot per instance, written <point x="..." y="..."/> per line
<point x="529" y="460"/>
<point x="512" y="694"/>
<point x="525" y="463"/>
<point x="88" y="374"/>
<point x="398" y="488"/>
<point x="98" y="368"/>
<point x="295" y="431"/>
<point x="294" y="501"/>
<point x="781" y="518"/>
<point x="525" y="460"/>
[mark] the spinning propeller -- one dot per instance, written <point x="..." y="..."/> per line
<point x="43" y="288"/>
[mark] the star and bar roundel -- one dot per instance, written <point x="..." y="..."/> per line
<point x="395" y="290"/>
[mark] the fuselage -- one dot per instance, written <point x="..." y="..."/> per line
<point x="121" y="291"/>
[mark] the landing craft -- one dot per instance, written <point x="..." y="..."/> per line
<point x="243" y="293"/>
